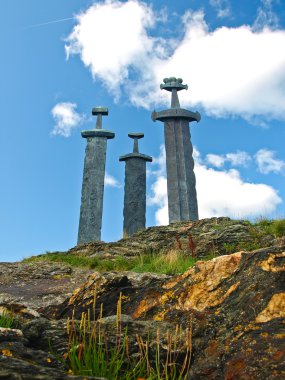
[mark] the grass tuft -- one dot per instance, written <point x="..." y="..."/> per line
<point x="91" y="352"/>
<point x="171" y="262"/>
<point x="274" y="227"/>
<point x="7" y="321"/>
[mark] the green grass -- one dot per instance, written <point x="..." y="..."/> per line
<point x="258" y="231"/>
<point x="91" y="351"/>
<point x="274" y="227"/>
<point x="7" y="321"/>
<point x="98" y="263"/>
<point x="241" y="246"/>
<point x="171" y="262"/>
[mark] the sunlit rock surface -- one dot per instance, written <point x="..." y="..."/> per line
<point x="233" y="304"/>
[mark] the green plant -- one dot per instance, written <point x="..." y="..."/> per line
<point x="263" y="222"/>
<point x="242" y="246"/>
<point x="278" y="228"/>
<point x="230" y="247"/>
<point x="274" y="227"/>
<point x="97" y="262"/>
<point x="7" y="321"/>
<point x="170" y="262"/>
<point x="92" y="353"/>
<point x="250" y="246"/>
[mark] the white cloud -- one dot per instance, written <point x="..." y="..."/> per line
<point x="230" y="71"/>
<point x="266" y="17"/>
<point x="159" y="188"/>
<point x="235" y="159"/>
<point x="238" y="159"/>
<point x="66" y="118"/>
<point x="229" y="194"/>
<point x="267" y="163"/>
<point x="222" y="7"/>
<point x="159" y="163"/>
<point x="159" y="199"/>
<point x="110" y="37"/>
<point x="215" y="160"/>
<point x="111" y="181"/>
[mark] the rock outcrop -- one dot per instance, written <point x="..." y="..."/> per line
<point x="215" y="236"/>
<point x="233" y="305"/>
<point x="38" y="284"/>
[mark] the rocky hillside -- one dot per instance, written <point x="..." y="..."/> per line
<point x="232" y="306"/>
<point x="215" y="236"/>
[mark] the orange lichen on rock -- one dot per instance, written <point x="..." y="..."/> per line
<point x="271" y="263"/>
<point x="201" y="286"/>
<point x="274" y="309"/>
<point x="160" y="316"/>
<point x="6" y="353"/>
<point x="95" y="280"/>
<point x="204" y="290"/>
<point x="235" y="369"/>
<point x="200" y="297"/>
<point x="144" y="306"/>
<point x="213" y="271"/>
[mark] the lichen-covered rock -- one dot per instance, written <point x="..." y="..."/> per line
<point x="235" y="303"/>
<point x="106" y="289"/>
<point x="7" y="334"/>
<point x="38" y="284"/>
<point x="238" y="310"/>
<point x="215" y="236"/>
<point x="26" y="354"/>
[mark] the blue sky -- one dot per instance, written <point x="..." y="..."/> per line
<point x="61" y="58"/>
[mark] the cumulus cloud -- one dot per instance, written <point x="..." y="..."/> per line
<point x="230" y="70"/>
<point x="229" y="194"/>
<point x="111" y="181"/>
<point x="111" y="37"/>
<point x="267" y="163"/>
<point x="235" y="159"/>
<point x="222" y="7"/>
<point x="66" y="118"/>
